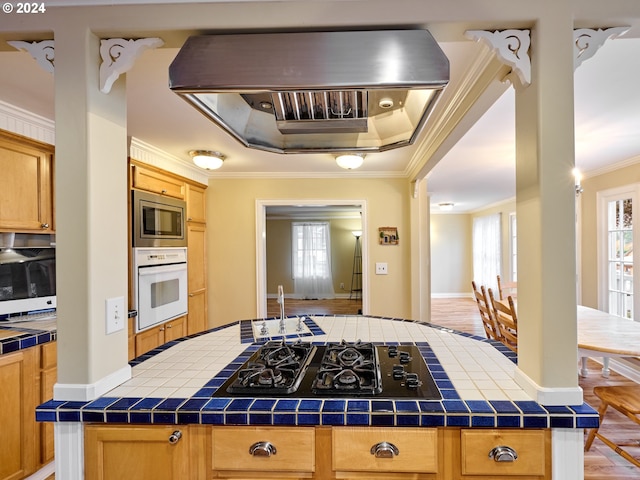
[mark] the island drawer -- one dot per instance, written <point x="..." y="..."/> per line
<point x="373" y="449"/>
<point x="530" y="446"/>
<point x="264" y="449"/>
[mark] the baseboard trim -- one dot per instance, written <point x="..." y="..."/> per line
<point x="86" y="392"/>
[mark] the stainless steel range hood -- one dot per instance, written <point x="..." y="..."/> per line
<point x="356" y="91"/>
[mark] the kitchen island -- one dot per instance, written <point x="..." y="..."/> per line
<point x="171" y="418"/>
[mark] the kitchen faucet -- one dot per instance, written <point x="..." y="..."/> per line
<point x="281" y="302"/>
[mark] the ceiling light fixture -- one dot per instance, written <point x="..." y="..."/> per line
<point x="207" y="159"/>
<point x="350" y="161"/>
<point x="446" y="207"/>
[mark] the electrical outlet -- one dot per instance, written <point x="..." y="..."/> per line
<point x="341" y="285"/>
<point x="115" y="314"/>
<point x="381" y="268"/>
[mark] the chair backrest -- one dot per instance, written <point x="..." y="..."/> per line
<point x="486" y="314"/>
<point x="506" y="289"/>
<point x="506" y="319"/>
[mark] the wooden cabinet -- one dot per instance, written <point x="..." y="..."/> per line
<point x="26" y="185"/>
<point x="197" y="277"/>
<point x="48" y="378"/>
<point x="144" y="452"/>
<point x="156" y="336"/>
<point x="263" y="452"/>
<point x="154" y="180"/>
<point x="489" y="453"/>
<point x="320" y="453"/>
<point x="18" y="400"/>
<point x="196" y="203"/>
<point x="379" y="452"/>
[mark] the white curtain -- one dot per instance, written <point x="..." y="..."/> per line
<point x="311" y="249"/>
<point x="487" y="251"/>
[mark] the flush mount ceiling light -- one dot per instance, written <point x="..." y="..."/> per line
<point x="446" y="207"/>
<point x="312" y="92"/>
<point x="349" y="161"/>
<point x="207" y="159"/>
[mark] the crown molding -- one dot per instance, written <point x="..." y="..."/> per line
<point x="22" y="122"/>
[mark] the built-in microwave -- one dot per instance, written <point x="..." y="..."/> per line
<point x="158" y="221"/>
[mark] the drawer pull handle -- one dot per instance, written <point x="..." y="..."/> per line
<point x="262" y="449"/>
<point x="385" y="450"/>
<point x="503" y="454"/>
<point x="44" y="225"/>
<point x="175" y="437"/>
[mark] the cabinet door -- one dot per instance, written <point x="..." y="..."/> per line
<point x="197" y="312"/>
<point x="141" y="453"/>
<point x="196" y="204"/>
<point x="196" y="248"/>
<point x="48" y="378"/>
<point x="197" y="277"/>
<point x="176" y="328"/>
<point x="153" y="181"/>
<point x="18" y="401"/>
<point x="26" y="187"/>
<point x="149" y="339"/>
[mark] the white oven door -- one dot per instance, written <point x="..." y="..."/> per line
<point x="162" y="294"/>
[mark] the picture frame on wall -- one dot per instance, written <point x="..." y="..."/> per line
<point x="388" y="235"/>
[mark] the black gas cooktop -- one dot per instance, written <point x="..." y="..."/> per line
<point x="344" y="369"/>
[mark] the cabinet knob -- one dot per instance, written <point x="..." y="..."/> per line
<point x="162" y="329"/>
<point x="503" y="453"/>
<point x="385" y="450"/>
<point x="175" y="437"/>
<point x="44" y="225"/>
<point x="163" y="191"/>
<point x="169" y="326"/>
<point x="262" y="449"/>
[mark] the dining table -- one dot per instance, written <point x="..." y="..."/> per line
<point x="603" y="335"/>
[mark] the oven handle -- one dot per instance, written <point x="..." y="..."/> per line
<point x="174" y="267"/>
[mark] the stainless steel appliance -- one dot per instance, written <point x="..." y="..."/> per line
<point x="158" y="221"/>
<point x="344" y="369"/>
<point x="160" y="284"/>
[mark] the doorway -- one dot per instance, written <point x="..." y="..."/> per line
<point x="346" y="215"/>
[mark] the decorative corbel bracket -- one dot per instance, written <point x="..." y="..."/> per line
<point x="118" y="57"/>
<point x="43" y="52"/>
<point x="587" y="42"/>
<point x="511" y="46"/>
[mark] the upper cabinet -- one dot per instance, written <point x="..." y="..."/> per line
<point x="196" y="203"/>
<point x="153" y="180"/>
<point x="26" y="185"/>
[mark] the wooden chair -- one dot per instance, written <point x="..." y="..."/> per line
<point x="507" y="288"/>
<point x="626" y="400"/>
<point x="485" y="312"/>
<point x="506" y="319"/>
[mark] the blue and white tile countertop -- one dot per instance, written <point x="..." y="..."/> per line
<point x="18" y="336"/>
<point x="174" y="384"/>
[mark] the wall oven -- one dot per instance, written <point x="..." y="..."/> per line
<point x="158" y="221"/>
<point x="160" y="284"/>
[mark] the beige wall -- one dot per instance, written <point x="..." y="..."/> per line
<point x="451" y="255"/>
<point x="588" y="220"/>
<point x="231" y="224"/>
<point x="279" y="253"/>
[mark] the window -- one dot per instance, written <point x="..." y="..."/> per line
<point x="311" y="250"/>
<point x="617" y="229"/>
<point x="486" y="250"/>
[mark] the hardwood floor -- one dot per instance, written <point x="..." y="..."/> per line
<point x="600" y="462"/>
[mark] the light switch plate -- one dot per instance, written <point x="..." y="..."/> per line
<point x="114" y="314"/>
<point x="381" y="268"/>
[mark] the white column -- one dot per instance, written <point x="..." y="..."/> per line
<point x="91" y="232"/>
<point x="545" y="206"/>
